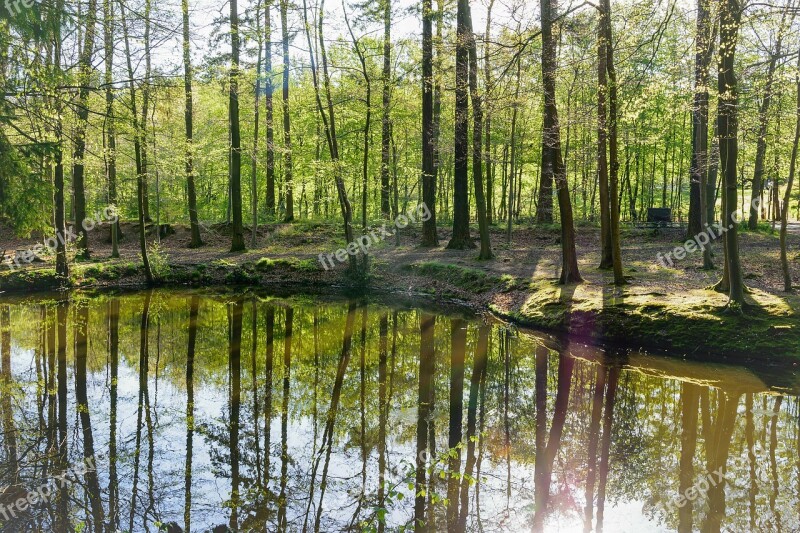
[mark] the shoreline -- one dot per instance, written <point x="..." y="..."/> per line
<point x="683" y="326"/>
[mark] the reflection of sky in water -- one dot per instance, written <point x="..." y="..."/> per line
<point x="645" y="444"/>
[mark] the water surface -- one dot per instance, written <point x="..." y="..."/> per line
<point x="265" y="414"/>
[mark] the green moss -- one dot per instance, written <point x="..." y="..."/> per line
<point x="469" y="279"/>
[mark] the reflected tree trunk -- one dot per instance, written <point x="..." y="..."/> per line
<point x="605" y="451"/>
<point x="717" y="452"/>
<point x="749" y="431"/>
<point x="458" y="348"/>
<point x="478" y="372"/>
<point x="194" y="308"/>
<point x="62" y="519"/>
<point x="7" y="382"/>
<point x="81" y="326"/>
<point x="689" y="407"/>
<point x="601" y="373"/>
<point x="256" y="407"/>
<point x="143" y="394"/>
<point x="426" y="357"/>
<point x="383" y="415"/>
<point x="113" y="481"/>
<point x="545" y="455"/>
<point x="268" y="367"/>
<point x="330" y="422"/>
<point x="235" y="368"/>
<point x="287" y="366"/>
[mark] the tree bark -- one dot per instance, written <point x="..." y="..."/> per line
<point x="110" y="125"/>
<point x="552" y="165"/>
<point x="196" y="240"/>
<point x="78" y="164"/>
<point x="763" y="124"/>
<point x="727" y="118"/>
<point x="386" y="210"/>
<point x="429" y="170"/>
<point x="268" y="104"/>
<point x="138" y="152"/>
<point x="787" y="276"/>
<point x="477" y="140"/>
<point x="287" y="130"/>
<point x="235" y="171"/>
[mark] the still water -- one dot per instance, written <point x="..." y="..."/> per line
<point x="192" y="410"/>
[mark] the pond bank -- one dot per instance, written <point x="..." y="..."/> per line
<point x="690" y="323"/>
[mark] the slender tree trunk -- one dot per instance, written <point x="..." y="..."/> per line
<point x="367" y="122"/>
<point x="763" y="124"/>
<point x="196" y="240"/>
<point x="461" y="238"/>
<point x="488" y="89"/>
<point x="727" y="118"/>
<point x="787" y="276"/>
<point x="387" y="105"/>
<point x="235" y="171"/>
<point x="613" y="150"/>
<point x="509" y="211"/>
<point x="78" y="164"/>
<point x="256" y="123"/>
<point x="270" y="112"/>
<point x="602" y="138"/>
<point x="553" y="168"/>
<point x="329" y="123"/>
<point x="477" y="140"/>
<point x="429" y="169"/>
<point x="288" y="178"/>
<point x="138" y="152"/>
<point x="110" y="124"/>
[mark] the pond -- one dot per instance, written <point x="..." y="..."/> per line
<point x="194" y="410"/>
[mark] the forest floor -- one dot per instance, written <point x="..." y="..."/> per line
<point x="663" y="308"/>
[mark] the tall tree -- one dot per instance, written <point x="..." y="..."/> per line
<point x="553" y="168"/>
<point x="138" y="136"/>
<point x="329" y="122"/>
<point x="728" y="129"/>
<point x="287" y="129"/>
<point x="763" y="123"/>
<point x="461" y="238"/>
<point x="78" y="164"/>
<point x="787" y="276"/>
<point x="59" y="212"/>
<point x="429" y="233"/>
<point x="256" y="123"/>
<point x="235" y="171"/>
<point x="613" y="148"/>
<point x="387" y="106"/>
<point x="477" y="138"/>
<point x="110" y="125"/>
<point x="602" y="138"/>
<point x="196" y="240"/>
<point x="270" y="113"/>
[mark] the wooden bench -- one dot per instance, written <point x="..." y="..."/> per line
<point x="658" y="218"/>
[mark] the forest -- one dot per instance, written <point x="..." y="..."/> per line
<point x="589" y="123"/>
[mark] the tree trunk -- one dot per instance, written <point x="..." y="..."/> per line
<point x="254" y="157"/>
<point x="606" y="260"/>
<point x="386" y="210"/>
<point x="78" y="164"/>
<point x="613" y="150"/>
<point x="287" y="130"/>
<point x="187" y="88"/>
<point x="787" y="276"/>
<point x="429" y="170"/>
<point x="110" y="126"/>
<point x="477" y="139"/>
<point x="137" y="150"/>
<point x="552" y="164"/>
<point x="329" y="123"/>
<point x="367" y="123"/>
<point x="727" y="113"/>
<point x="763" y="124"/>
<point x="235" y="171"/>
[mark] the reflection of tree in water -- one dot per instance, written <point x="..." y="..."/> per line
<point x="314" y="414"/>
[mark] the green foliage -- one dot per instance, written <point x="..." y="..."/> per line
<point x="159" y="261"/>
